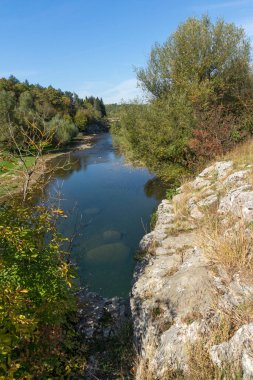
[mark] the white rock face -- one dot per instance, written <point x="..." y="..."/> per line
<point x="239" y="201"/>
<point x="223" y="168"/>
<point x="172" y="299"/>
<point x="238" y="351"/>
<point x="236" y="178"/>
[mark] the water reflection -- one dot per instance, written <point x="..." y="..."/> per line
<point x="108" y="204"/>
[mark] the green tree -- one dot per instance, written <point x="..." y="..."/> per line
<point x="63" y="130"/>
<point x="200" y="56"/>
<point x="7" y="104"/>
<point x="26" y="103"/>
<point x="198" y="84"/>
<point x="81" y="118"/>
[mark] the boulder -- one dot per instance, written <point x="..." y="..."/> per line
<point x="111" y="253"/>
<point x="112" y="235"/>
<point x="92" y="211"/>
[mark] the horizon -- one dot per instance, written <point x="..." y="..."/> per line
<point x="92" y="49"/>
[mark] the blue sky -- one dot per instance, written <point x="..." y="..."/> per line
<point x="92" y="46"/>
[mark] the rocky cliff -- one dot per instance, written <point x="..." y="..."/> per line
<point x="192" y="300"/>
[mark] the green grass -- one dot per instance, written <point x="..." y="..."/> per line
<point x="9" y="164"/>
<point x="4" y="189"/>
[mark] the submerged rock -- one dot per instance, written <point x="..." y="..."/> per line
<point x="113" y="252"/>
<point x="112" y="235"/>
<point x="92" y="211"/>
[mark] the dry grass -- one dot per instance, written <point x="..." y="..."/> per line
<point x="228" y="243"/>
<point x="241" y="314"/>
<point x="242" y="154"/>
<point x="180" y="226"/>
<point x="171" y="271"/>
<point x="143" y="365"/>
<point x="200" y="365"/>
<point x="180" y="202"/>
<point x="191" y="317"/>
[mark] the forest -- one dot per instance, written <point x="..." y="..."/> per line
<point x="59" y="114"/>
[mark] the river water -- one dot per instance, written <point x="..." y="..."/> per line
<point x="108" y="204"/>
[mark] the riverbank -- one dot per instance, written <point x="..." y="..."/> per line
<point x="192" y="298"/>
<point x="11" y="182"/>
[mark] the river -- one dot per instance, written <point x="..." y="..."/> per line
<point x="108" y="204"/>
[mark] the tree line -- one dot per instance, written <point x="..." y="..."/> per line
<point x="61" y="114"/>
<point x="199" y="90"/>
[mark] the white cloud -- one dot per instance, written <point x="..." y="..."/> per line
<point x="126" y="91"/>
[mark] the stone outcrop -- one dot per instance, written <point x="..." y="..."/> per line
<point x="179" y="295"/>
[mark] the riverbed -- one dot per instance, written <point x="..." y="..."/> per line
<point x="108" y="204"/>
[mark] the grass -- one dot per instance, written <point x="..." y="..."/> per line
<point x="10" y="164"/>
<point x="10" y="171"/>
<point x="7" y="188"/>
<point x="180" y="202"/>
<point x="153" y="220"/>
<point x="200" y="365"/>
<point x="242" y="154"/>
<point x="228" y="243"/>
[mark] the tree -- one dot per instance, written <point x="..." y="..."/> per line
<point x="26" y="102"/>
<point x="63" y="130"/>
<point x="200" y="57"/>
<point x="198" y="84"/>
<point x="7" y="104"/>
<point x="81" y="118"/>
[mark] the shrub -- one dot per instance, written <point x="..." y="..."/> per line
<point x="36" y="299"/>
<point x="63" y="130"/>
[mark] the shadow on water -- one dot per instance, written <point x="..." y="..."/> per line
<point x="108" y="204"/>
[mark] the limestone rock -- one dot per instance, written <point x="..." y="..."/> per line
<point x="238" y="351"/>
<point x="239" y="201"/>
<point x="223" y="168"/>
<point x="236" y="178"/>
<point x="177" y="296"/>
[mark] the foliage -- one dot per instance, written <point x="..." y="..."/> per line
<point x="153" y="220"/>
<point x="62" y="129"/>
<point x="97" y="104"/>
<point x="199" y="59"/>
<point x="37" y="300"/>
<point x="170" y="193"/>
<point x="115" y="355"/>
<point x="22" y="103"/>
<point x="200" y="89"/>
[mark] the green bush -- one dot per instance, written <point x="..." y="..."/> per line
<point x="36" y="296"/>
<point x="62" y="130"/>
<point x="199" y="84"/>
